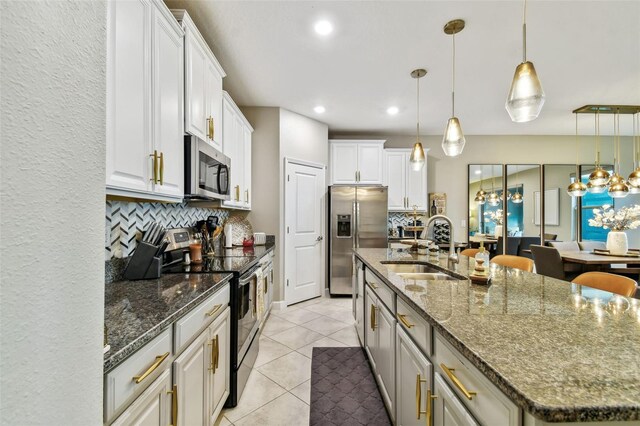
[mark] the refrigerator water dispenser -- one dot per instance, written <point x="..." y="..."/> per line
<point x="344" y="226"/>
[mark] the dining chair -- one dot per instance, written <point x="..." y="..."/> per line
<point x="548" y="261"/>
<point x="549" y="237"/>
<point x="513" y="244"/>
<point x="607" y="282"/>
<point x="525" y="244"/>
<point x="470" y="252"/>
<point x="591" y="245"/>
<point x="517" y="262"/>
<point x="565" y="245"/>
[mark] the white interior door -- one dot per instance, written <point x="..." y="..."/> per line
<point x="304" y="231"/>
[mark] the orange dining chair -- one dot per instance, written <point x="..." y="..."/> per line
<point x="470" y="252"/>
<point x="517" y="262"/>
<point x="607" y="282"/>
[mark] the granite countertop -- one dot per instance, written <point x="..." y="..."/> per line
<point x="229" y="260"/>
<point x="559" y="360"/>
<point x="137" y="311"/>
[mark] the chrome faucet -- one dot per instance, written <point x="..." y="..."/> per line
<point x="453" y="257"/>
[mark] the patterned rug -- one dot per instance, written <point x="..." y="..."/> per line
<point x="343" y="389"/>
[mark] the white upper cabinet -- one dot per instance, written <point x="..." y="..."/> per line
<point x="356" y="162"/>
<point x="407" y="187"/>
<point x="237" y="146"/>
<point x="144" y="96"/>
<point x="203" y="85"/>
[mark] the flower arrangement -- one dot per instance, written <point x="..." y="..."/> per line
<point x="495" y="216"/>
<point x="627" y="217"/>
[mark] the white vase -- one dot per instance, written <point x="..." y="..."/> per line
<point x="498" y="232"/>
<point x="617" y="242"/>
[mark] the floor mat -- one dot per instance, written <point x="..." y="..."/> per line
<point x="343" y="389"/>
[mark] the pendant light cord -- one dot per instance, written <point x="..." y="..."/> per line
<point x="418" y="111"/>
<point x="453" y="79"/>
<point x="597" y="125"/>
<point x="524" y="33"/>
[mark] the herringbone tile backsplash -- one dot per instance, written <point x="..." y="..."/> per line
<point x="125" y="221"/>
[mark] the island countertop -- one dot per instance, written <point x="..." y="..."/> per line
<point x="554" y="348"/>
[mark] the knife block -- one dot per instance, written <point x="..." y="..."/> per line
<point x="144" y="264"/>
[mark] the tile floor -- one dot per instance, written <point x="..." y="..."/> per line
<point x="278" y="390"/>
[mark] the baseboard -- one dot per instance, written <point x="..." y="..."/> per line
<point x="279" y="305"/>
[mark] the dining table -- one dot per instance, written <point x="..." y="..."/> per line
<point x="586" y="257"/>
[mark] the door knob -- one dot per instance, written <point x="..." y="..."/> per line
<point x="319" y="238"/>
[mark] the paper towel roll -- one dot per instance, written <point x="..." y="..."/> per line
<point x="228" y="235"/>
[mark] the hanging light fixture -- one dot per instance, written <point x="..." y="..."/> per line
<point x="617" y="187"/>
<point x="517" y="197"/>
<point x="634" y="178"/>
<point x="493" y="198"/>
<point x="577" y="188"/>
<point x="526" y="96"/>
<point x="417" y="159"/>
<point x="453" y="140"/>
<point x="480" y="195"/>
<point x="599" y="178"/>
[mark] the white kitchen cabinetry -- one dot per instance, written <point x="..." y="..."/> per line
<point x="413" y="382"/>
<point x="237" y="146"/>
<point x="144" y="124"/>
<point x="201" y="374"/>
<point x="356" y="162"/>
<point x="447" y="409"/>
<point x="407" y="187"/>
<point x="358" y="300"/>
<point x="380" y="344"/>
<point x="153" y="407"/>
<point x="203" y="85"/>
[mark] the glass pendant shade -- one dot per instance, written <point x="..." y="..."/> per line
<point x="480" y="199"/>
<point x="481" y="193"/>
<point x="517" y="198"/>
<point x="618" y="189"/>
<point x="634" y="178"/>
<point x="493" y="199"/>
<point x="633" y="189"/>
<point x="526" y="96"/>
<point x="453" y="140"/>
<point x="417" y="157"/>
<point x="577" y="189"/>
<point x="596" y="189"/>
<point x="599" y="177"/>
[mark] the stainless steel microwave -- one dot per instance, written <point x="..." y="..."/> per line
<point x="207" y="171"/>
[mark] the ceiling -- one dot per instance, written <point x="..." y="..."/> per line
<point x="585" y="52"/>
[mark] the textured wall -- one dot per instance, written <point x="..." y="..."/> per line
<point x="52" y="207"/>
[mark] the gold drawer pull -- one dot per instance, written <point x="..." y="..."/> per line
<point x="151" y="369"/>
<point x="215" y="354"/>
<point x="162" y="168"/>
<point x="215" y="309"/>
<point x="372" y="318"/>
<point x="174" y="405"/>
<point x="430" y="397"/>
<point x="403" y="320"/>
<point x="457" y="382"/>
<point x="154" y="156"/>
<point x="372" y="285"/>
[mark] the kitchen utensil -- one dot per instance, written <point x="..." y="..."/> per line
<point x="162" y="248"/>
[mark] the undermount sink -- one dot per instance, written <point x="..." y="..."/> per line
<point x="418" y="271"/>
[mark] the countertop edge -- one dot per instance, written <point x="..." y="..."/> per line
<point x="542" y="412"/>
<point x="119" y="357"/>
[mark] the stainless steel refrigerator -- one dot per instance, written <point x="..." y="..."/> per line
<point x="357" y="219"/>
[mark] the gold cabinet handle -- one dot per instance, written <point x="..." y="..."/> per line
<point x="217" y="351"/>
<point x="403" y="320"/>
<point x="449" y="371"/>
<point x="215" y="309"/>
<point x="174" y="405"/>
<point x="215" y="354"/>
<point x="211" y="127"/>
<point x="154" y="179"/>
<point x="162" y="168"/>
<point x="246" y="196"/>
<point x="372" y="285"/>
<point x="237" y="192"/>
<point x="152" y="368"/>
<point x="430" y="398"/>
<point x="208" y="128"/>
<point x="419" y="381"/>
<point x="373" y="317"/>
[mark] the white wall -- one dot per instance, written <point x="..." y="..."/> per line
<point x="52" y="207"/>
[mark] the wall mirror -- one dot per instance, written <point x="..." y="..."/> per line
<point x="485" y="184"/>
<point x="520" y="208"/>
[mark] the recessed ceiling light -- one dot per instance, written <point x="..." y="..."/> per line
<point x="319" y="109"/>
<point x="393" y="110"/>
<point x="478" y="172"/>
<point x="323" y="28"/>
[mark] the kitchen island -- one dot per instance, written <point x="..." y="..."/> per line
<point x="557" y="351"/>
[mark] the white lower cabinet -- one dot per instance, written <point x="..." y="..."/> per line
<point x="413" y="383"/>
<point x="152" y="407"/>
<point x="201" y="374"/>
<point x="447" y="409"/>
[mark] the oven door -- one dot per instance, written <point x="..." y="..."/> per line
<point x="247" y="313"/>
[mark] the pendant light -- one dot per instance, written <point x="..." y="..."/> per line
<point x="599" y="178"/>
<point x="480" y="195"/>
<point x="417" y="159"/>
<point x="493" y="199"/>
<point x="618" y="187"/>
<point x="526" y="96"/>
<point x="453" y="140"/>
<point x="577" y="188"/>
<point x="517" y="197"/>
<point x="634" y="178"/>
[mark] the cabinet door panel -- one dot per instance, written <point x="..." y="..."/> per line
<point x="344" y="163"/>
<point x="411" y="363"/>
<point x="214" y="104"/>
<point x="238" y="195"/>
<point x="386" y="355"/>
<point x="152" y="407"/>
<point x="192" y="378"/>
<point x="247" y="167"/>
<point x="196" y="75"/>
<point x="448" y="410"/>
<point x="371" y="340"/>
<point x="219" y="332"/>
<point x="370" y="163"/>
<point x="396" y="179"/>
<point x="128" y="95"/>
<point x="168" y="102"/>
<point x="230" y="145"/>
<point x="417" y="187"/>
